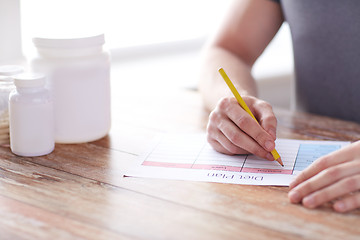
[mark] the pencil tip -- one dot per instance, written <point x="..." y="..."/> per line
<point x="280" y="161"/>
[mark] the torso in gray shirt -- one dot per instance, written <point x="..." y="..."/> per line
<point x="326" y="41"/>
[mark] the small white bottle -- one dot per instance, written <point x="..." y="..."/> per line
<point x="6" y="86"/>
<point x="31" y="116"/>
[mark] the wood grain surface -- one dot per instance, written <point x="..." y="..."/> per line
<point x="78" y="192"/>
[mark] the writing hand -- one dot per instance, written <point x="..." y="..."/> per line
<point x="231" y="130"/>
<point x="335" y="177"/>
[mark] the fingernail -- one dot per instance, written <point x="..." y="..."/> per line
<point x="272" y="132"/>
<point x="269" y="157"/>
<point x="269" y="145"/>
<point x="294" y="196"/>
<point x="340" y="207"/>
<point x="292" y="184"/>
<point x="309" y="202"/>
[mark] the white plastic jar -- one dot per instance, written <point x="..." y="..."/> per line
<point x="31" y="116"/>
<point x="78" y="73"/>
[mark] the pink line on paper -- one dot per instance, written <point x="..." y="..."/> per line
<point x="217" y="167"/>
<point x="267" y="171"/>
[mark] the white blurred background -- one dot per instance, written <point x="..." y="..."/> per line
<point x="143" y="34"/>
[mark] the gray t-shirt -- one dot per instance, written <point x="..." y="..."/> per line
<point x="326" y="41"/>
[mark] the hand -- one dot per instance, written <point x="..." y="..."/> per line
<point x="334" y="177"/>
<point x="231" y="130"/>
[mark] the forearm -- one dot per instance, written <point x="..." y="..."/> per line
<point x="212" y="87"/>
<point x="248" y="28"/>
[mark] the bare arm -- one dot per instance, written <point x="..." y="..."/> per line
<point x="248" y="28"/>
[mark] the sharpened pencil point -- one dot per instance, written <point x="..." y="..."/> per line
<point x="280" y="161"/>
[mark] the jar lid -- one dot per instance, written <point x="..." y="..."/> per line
<point x="6" y="80"/>
<point x="9" y="70"/>
<point x="77" y="42"/>
<point x="28" y="80"/>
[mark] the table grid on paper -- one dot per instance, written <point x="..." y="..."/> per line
<point x="177" y="152"/>
<point x="308" y="153"/>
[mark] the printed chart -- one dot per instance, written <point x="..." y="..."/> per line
<point x="190" y="157"/>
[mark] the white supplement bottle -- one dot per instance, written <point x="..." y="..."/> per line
<point x="31" y="116"/>
<point x="6" y="86"/>
<point x="78" y="74"/>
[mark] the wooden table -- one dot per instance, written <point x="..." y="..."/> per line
<point x="77" y="191"/>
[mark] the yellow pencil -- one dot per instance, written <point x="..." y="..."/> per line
<point x="246" y="108"/>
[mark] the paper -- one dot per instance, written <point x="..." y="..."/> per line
<point x="190" y="157"/>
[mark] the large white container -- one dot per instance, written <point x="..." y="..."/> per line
<point x="31" y="116"/>
<point x="78" y="73"/>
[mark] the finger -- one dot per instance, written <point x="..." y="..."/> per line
<point x="264" y="114"/>
<point x="238" y="138"/>
<point x="336" y="190"/>
<point x="248" y="125"/>
<point x="216" y="138"/>
<point x="220" y="148"/>
<point x="347" y="204"/>
<point x="325" y="178"/>
<point x="345" y="154"/>
<point x="221" y="144"/>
